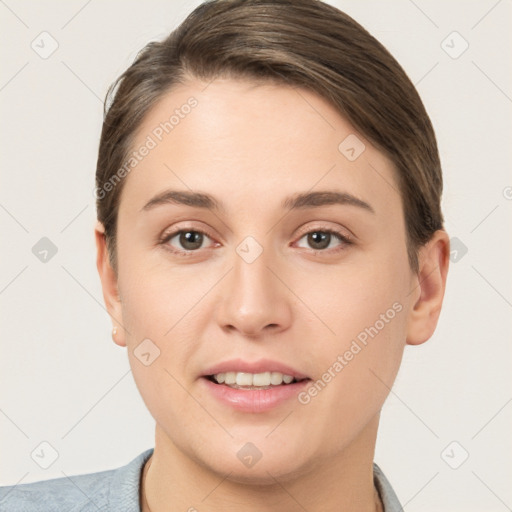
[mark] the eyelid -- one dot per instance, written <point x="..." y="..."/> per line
<point x="347" y="234"/>
<point x="345" y="240"/>
<point x="168" y="234"/>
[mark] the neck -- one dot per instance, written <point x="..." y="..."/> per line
<point x="339" y="482"/>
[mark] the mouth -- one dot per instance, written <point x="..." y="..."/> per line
<point x="253" y="386"/>
<point x="254" y="381"/>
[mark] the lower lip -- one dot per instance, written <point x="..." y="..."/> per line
<point x="254" y="400"/>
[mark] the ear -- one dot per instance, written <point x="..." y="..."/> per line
<point x="108" y="279"/>
<point x="428" y="286"/>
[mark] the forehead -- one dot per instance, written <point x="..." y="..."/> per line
<point x="241" y="141"/>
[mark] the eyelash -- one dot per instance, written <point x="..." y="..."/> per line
<point x="166" y="237"/>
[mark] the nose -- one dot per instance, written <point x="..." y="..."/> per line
<point x="254" y="301"/>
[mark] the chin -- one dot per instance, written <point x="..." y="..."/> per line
<point x="262" y="473"/>
<point x="259" y="463"/>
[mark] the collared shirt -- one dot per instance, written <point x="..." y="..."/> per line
<point x="115" y="490"/>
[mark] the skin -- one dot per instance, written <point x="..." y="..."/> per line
<point x="251" y="146"/>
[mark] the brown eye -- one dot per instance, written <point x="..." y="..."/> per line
<point x="190" y="240"/>
<point x="322" y="239"/>
<point x="185" y="241"/>
<point x="319" y="239"/>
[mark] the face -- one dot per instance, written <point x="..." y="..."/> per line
<point x="296" y="264"/>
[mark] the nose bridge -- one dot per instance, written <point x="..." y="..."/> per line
<point x="254" y="297"/>
<point x="251" y="273"/>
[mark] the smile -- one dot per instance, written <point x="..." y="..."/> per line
<point x="244" y="380"/>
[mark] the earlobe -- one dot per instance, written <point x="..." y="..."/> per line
<point x="429" y="288"/>
<point x="109" y="285"/>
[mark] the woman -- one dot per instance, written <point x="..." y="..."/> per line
<point x="269" y="239"/>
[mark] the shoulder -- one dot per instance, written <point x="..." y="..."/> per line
<point x="387" y="494"/>
<point x="79" y="492"/>
<point x="111" y="490"/>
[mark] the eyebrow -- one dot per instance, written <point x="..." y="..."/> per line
<point x="296" y="202"/>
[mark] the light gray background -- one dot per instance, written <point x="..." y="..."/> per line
<point x="63" y="379"/>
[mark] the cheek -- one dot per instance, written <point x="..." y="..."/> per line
<point x="159" y="308"/>
<point x="344" y="301"/>
<point x="357" y="361"/>
<point x="155" y="297"/>
<point x="369" y="365"/>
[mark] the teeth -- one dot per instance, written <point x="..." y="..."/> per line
<point x="276" y="378"/>
<point x="253" y="379"/>
<point x="230" y="378"/>
<point x="244" y="379"/>
<point x="261" y="379"/>
<point x="287" y="379"/>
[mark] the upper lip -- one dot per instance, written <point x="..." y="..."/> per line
<point x="259" y="366"/>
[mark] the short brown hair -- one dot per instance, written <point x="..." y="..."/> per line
<point x="304" y="43"/>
